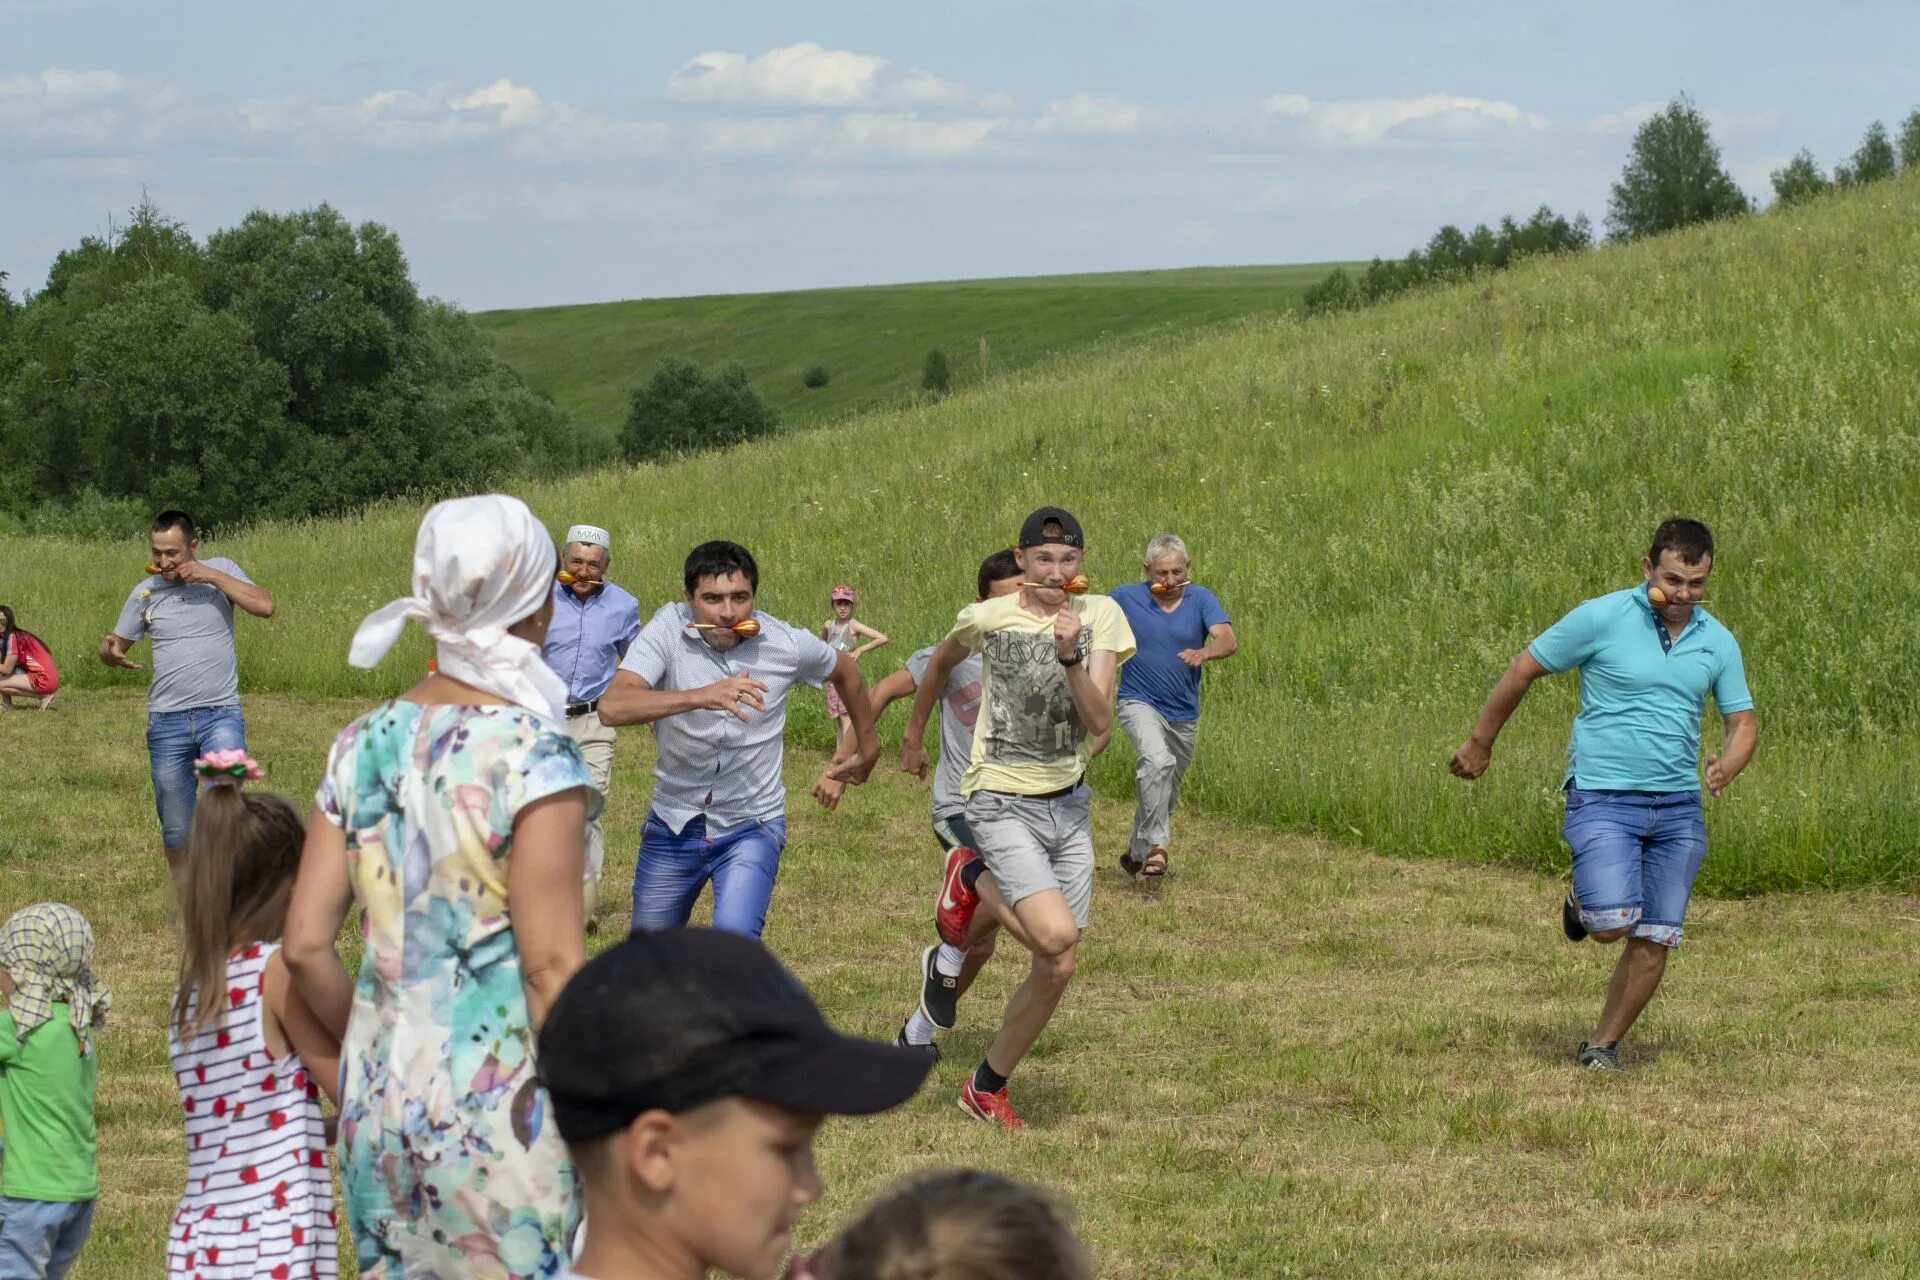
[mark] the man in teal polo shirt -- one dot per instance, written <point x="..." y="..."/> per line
<point x="1648" y="657"/>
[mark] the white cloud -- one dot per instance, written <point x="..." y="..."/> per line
<point x="760" y="136"/>
<point x="997" y="104"/>
<point x="1372" y="122"/>
<point x="514" y="114"/>
<point x="1084" y="113"/>
<point x="906" y="136"/>
<point x="856" y="135"/>
<point x="1625" y="120"/>
<point x="58" y="87"/>
<point x="809" y="75"/>
<point x="76" y="106"/>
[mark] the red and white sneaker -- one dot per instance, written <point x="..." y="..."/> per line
<point x="953" y="913"/>
<point x="991" y="1107"/>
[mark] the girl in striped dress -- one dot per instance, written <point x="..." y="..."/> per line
<point x="251" y="1059"/>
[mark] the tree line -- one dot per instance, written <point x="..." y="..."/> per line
<point x="285" y="367"/>
<point x="1673" y="178"/>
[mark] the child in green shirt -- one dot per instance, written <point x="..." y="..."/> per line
<point x="50" y="1003"/>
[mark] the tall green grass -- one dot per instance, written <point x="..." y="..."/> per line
<point x="1390" y="503"/>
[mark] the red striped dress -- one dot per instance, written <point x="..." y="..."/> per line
<point x="259" y="1199"/>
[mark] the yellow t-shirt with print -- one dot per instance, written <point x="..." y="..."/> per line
<point x="1028" y="738"/>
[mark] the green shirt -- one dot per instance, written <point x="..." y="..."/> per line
<point x="46" y="1104"/>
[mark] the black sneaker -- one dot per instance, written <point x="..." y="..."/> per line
<point x="1570" y="918"/>
<point x="1600" y="1057"/>
<point x="931" y="1049"/>
<point x="939" y="994"/>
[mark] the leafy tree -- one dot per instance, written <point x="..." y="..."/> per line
<point x="816" y="377"/>
<point x="935" y="376"/>
<point x="682" y="410"/>
<point x="1799" y="179"/>
<point x="1910" y="143"/>
<point x="1673" y="177"/>
<point x="1873" y="161"/>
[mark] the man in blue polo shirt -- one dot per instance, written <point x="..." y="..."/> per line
<point x="1180" y="628"/>
<point x="1648" y="657"/>
<point x="594" y="623"/>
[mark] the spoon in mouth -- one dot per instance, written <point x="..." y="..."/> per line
<point x="1075" y="586"/>
<point x="744" y="627"/>
<point x="1161" y="588"/>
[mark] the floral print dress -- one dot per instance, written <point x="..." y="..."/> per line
<point x="449" y="1158"/>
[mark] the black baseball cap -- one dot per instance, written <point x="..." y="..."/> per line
<point x="1034" y="532"/>
<point x="671" y="1019"/>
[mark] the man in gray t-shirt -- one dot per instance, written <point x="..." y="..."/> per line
<point x="711" y="676"/>
<point x="185" y="606"/>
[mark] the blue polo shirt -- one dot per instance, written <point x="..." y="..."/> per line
<point x="1156" y="676"/>
<point x="1641" y="699"/>
<point x="589" y="637"/>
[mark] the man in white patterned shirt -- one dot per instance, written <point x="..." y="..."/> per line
<point x="717" y="700"/>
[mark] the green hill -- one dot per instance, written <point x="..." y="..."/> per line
<point x="1390" y="502"/>
<point x="872" y="341"/>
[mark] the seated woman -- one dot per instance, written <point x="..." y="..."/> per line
<point x="26" y="667"/>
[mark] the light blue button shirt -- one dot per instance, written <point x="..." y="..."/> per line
<point x="712" y="762"/>
<point x="1641" y="701"/>
<point x="589" y="637"/>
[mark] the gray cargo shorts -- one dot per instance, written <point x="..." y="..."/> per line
<point x="1034" y="843"/>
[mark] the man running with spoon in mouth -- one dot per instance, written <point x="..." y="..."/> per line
<point x="1648" y="657"/>
<point x="711" y="675"/>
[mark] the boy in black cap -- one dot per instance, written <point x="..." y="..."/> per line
<point x="688" y="1071"/>
<point x="1049" y="661"/>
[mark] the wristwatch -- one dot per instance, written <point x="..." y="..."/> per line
<point x="1074" y="661"/>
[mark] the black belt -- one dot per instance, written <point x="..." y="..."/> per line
<point x="581" y="708"/>
<point x="1067" y="790"/>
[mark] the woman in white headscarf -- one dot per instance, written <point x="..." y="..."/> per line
<point x="453" y="815"/>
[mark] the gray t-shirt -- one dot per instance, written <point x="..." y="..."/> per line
<point x="191" y="625"/>
<point x="712" y="762"/>
<point x="959" y="708"/>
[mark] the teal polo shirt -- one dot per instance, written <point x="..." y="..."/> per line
<point x="1641" y="699"/>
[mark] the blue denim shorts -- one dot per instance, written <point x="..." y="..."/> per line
<point x="1635" y="856"/>
<point x="175" y="739"/>
<point x="39" y="1239"/>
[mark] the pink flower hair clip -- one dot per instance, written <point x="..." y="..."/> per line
<point x="232" y="765"/>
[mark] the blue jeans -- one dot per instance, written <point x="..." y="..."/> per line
<point x="39" y="1239"/>
<point x="175" y="739"/>
<point x="1635" y="855"/>
<point x="672" y="869"/>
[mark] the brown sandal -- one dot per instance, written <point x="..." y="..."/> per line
<point x="1154" y="865"/>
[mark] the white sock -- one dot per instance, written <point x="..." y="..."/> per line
<point x="919" y="1030"/>
<point x="948" y="959"/>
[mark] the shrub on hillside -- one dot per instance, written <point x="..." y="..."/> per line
<point x="1451" y="255"/>
<point x="287" y="367"/>
<point x="1673" y="177"/>
<point x="816" y="377"/>
<point x="682" y="410"/>
<point x="1873" y="161"/>
<point x="935" y="376"/>
<point x="1797" y="180"/>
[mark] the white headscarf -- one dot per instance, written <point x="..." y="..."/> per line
<point x="480" y="565"/>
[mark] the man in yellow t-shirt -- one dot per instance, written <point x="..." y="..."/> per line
<point x="1049" y="661"/>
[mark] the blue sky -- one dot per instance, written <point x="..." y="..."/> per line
<point x="591" y="151"/>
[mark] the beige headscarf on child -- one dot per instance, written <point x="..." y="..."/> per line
<point x="46" y="949"/>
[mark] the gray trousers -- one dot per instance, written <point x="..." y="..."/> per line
<point x="1165" y="748"/>
<point x="596" y="745"/>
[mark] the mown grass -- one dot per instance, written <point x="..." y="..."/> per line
<point x="1294" y="1059"/>
<point x="1390" y="503"/>
<point x="871" y="340"/>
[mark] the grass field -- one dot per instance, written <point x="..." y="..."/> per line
<point x="1294" y="1059"/>
<point x="1390" y="503"/>
<point x="872" y="341"/>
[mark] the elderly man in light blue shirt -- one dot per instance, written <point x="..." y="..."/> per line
<point x="594" y="624"/>
<point x="1649" y="657"/>
<point x="711" y="675"/>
